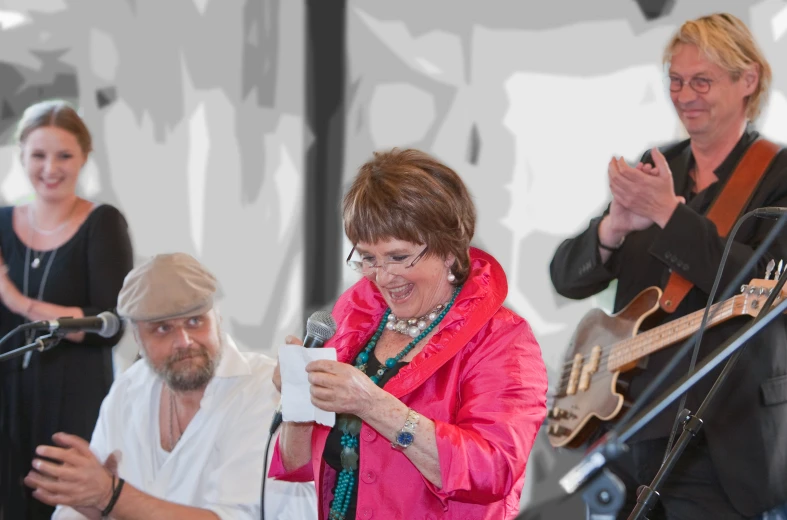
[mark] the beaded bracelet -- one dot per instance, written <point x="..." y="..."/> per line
<point x="115" y="495"/>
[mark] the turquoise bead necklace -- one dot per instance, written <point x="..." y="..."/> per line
<point x="350" y="425"/>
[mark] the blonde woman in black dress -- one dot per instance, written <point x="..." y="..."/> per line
<point x="60" y="255"/>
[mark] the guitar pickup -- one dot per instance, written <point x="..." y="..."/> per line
<point x="557" y="413"/>
<point x="557" y="430"/>
<point x="573" y="378"/>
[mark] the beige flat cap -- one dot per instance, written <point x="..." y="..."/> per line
<point x="165" y="287"/>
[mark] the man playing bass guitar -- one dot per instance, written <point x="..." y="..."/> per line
<point x="659" y="227"/>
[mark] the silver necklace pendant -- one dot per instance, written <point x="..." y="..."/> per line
<point x="36" y="262"/>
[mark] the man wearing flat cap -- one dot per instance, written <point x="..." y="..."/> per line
<point x="182" y="434"/>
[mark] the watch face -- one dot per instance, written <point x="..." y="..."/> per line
<point x="404" y="439"/>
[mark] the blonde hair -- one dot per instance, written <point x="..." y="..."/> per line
<point x="409" y="195"/>
<point x="57" y="113"/>
<point x="726" y="41"/>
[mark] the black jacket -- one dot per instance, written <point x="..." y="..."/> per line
<point x="746" y="427"/>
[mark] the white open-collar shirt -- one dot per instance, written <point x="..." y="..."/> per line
<point x="218" y="462"/>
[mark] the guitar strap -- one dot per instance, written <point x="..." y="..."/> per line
<point x="726" y="209"/>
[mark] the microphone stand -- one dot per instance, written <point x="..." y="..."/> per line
<point x="588" y="471"/>
<point x="692" y="424"/>
<point x="613" y="443"/>
<point x="41" y="344"/>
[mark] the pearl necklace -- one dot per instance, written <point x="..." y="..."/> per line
<point x="414" y="326"/>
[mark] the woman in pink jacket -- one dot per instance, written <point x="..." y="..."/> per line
<point x="439" y="389"/>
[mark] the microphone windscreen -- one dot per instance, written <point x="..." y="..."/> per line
<point x="321" y="325"/>
<point x="111" y="324"/>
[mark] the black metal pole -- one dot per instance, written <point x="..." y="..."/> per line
<point x="325" y="115"/>
<point x="41" y="344"/>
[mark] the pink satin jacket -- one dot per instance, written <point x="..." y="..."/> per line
<point x="481" y="379"/>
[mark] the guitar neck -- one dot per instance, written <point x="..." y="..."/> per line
<point x="633" y="349"/>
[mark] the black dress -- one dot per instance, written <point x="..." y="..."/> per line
<point x="60" y="390"/>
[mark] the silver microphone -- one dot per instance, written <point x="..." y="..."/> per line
<point x="106" y="324"/>
<point x="320" y="327"/>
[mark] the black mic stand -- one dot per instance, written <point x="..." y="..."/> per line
<point x="613" y="443"/>
<point x="587" y="472"/>
<point x="41" y="344"/>
<point x="692" y="424"/>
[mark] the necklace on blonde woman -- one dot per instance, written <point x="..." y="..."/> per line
<point x="55" y="230"/>
<point x="31" y="221"/>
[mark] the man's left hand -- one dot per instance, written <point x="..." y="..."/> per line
<point x="76" y="478"/>
<point x="648" y="194"/>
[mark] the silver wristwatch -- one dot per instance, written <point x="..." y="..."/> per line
<point x="406" y="435"/>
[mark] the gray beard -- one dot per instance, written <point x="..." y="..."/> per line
<point x="195" y="378"/>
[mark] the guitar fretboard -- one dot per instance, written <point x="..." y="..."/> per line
<point x="630" y="350"/>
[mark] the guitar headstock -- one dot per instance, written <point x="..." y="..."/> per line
<point x="756" y="292"/>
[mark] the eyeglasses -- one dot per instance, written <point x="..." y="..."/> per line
<point x="395" y="266"/>
<point x="698" y="84"/>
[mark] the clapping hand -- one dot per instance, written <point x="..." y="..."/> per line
<point x="642" y="195"/>
<point x="72" y="475"/>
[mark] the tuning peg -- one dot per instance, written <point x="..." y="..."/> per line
<point x="769" y="269"/>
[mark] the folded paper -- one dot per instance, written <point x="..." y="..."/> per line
<point x="296" y="402"/>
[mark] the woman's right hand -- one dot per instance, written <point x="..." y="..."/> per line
<point x="289" y="340"/>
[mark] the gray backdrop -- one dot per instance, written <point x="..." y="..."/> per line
<point x="197" y="110"/>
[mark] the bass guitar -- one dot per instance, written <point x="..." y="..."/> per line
<point x="603" y="347"/>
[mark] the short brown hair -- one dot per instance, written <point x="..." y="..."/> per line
<point x="408" y="195"/>
<point x="56" y="113"/>
<point x="727" y="42"/>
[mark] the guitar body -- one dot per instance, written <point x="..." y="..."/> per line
<point x="577" y="412"/>
<point x="605" y="348"/>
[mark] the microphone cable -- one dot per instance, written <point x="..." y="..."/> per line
<point x="320" y="327"/>
<point x="274" y="426"/>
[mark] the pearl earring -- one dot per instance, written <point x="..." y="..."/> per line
<point x="451" y="277"/>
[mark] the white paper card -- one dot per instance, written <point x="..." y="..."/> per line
<point x="296" y="402"/>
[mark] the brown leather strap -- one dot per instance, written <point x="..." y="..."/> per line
<point x="726" y="209"/>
